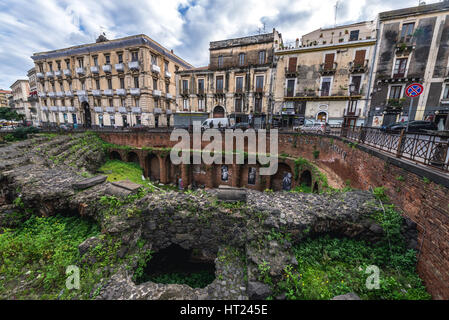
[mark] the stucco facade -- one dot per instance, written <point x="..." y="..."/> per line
<point x="313" y="79"/>
<point x="123" y="82"/>
<point x="20" y="93"/>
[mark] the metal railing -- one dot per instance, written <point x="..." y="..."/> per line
<point x="426" y="149"/>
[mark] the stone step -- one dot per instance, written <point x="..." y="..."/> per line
<point x="87" y="183"/>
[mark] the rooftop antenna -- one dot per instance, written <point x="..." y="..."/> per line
<point x="336" y="12"/>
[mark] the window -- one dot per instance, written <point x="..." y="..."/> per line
<point x="107" y="58"/>
<point x="97" y="83"/>
<point x="201" y="104"/>
<point x="59" y="65"/>
<point x="259" y="83"/>
<point x="112" y="119"/>
<point x="100" y="120"/>
<point x="400" y="68"/>
<point x="50" y="66"/>
<point x="109" y="83"/>
<point x="290" y="87"/>
<point x="407" y="32"/>
<point x="166" y="66"/>
<point x="167" y="87"/>
<point x="292" y="64"/>
<point x="200" y="86"/>
<point x="354" y="35"/>
<point x="154" y="84"/>
<point x="83" y="85"/>
<point x="122" y="83"/>
<point x="258" y="105"/>
<point x="153" y="59"/>
<point x="70" y="85"/>
<point x="41" y="68"/>
<point x="120" y="57"/>
<point x="220" y="84"/>
<point x="81" y="62"/>
<point x="395" y="92"/>
<point x="134" y="56"/>
<point x="185" y="86"/>
<point x="446" y="92"/>
<point x="96" y="61"/>
<point x="241" y="59"/>
<point x="136" y="102"/>
<point x="53" y="87"/>
<point x="136" y="82"/>
<point x="185" y="104"/>
<point x="326" y="87"/>
<point x="238" y="84"/>
<point x="220" y="61"/>
<point x="138" y="121"/>
<point x="67" y="63"/>
<point x="111" y="102"/>
<point x="98" y="102"/>
<point x="238" y="105"/>
<point x="261" y="57"/>
<point x="329" y="61"/>
<point x="356" y="80"/>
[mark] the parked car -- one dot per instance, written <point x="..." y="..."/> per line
<point x="241" y="125"/>
<point x="216" y="123"/>
<point x="413" y="127"/>
<point x="312" y="126"/>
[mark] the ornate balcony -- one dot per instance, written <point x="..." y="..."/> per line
<point x="291" y="72"/>
<point x="40" y="75"/>
<point x="80" y="71"/>
<point x="94" y="70"/>
<point x="356" y="67"/>
<point x="110" y="109"/>
<point x="62" y="109"/>
<point x="81" y="93"/>
<point x="120" y="67"/>
<point x="107" y="68"/>
<point x="155" y="68"/>
<point x="133" y="65"/>
<point x="168" y="96"/>
<point x="60" y="94"/>
<point x="108" y="92"/>
<point x="328" y="69"/>
<point x="120" y="92"/>
<point x="49" y="74"/>
<point x="54" y="109"/>
<point x="67" y="72"/>
<point x="58" y="73"/>
<point x="122" y="110"/>
<point x="98" y="109"/>
<point x="167" y="74"/>
<point x="69" y="93"/>
<point x="52" y="95"/>
<point x="157" y="93"/>
<point x="96" y="93"/>
<point x="135" y="91"/>
<point x="71" y="109"/>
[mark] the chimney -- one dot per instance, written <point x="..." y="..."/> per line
<point x="297" y="42"/>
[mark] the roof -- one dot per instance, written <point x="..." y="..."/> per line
<point x="243" y="41"/>
<point x="340" y="26"/>
<point x="411" y="11"/>
<point x="135" y="40"/>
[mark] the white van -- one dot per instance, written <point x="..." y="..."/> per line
<point x="216" y="123"/>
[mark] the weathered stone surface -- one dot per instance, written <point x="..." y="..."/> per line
<point x="231" y="194"/>
<point x="258" y="290"/>
<point x="128" y="185"/>
<point x="87" y="183"/>
<point x="348" y="296"/>
<point x="113" y="190"/>
<point x="87" y="245"/>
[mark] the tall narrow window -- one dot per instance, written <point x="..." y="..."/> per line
<point x="136" y="82"/>
<point x="96" y="61"/>
<point x="238" y="105"/>
<point x="326" y="87"/>
<point x="120" y="57"/>
<point x="166" y="66"/>
<point x="261" y="57"/>
<point x="201" y="104"/>
<point x="185" y="86"/>
<point x="239" y="84"/>
<point x="292" y="64"/>
<point x="259" y="83"/>
<point x="134" y="56"/>
<point x="107" y="58"/>
<point x="354" y="35"/>
<point x="67" y="63"/>
<point x="81" y="62"/>
<point x="220" y="61"/>
<point x="329" y="61"/>
<point x="50" y="66"/>
<point x="122" y="83"/>
<point x="220" y="84"/>
<point x="83" y="85"/>
<point x="58" y="63"/>
<point x="446" y="92"/>
<point x="109" y="83"/>
<point x="407" y="32"/>
<point x="400" y="68"/>
<point x="258" y="105"/>
<point x="291" y="87"/>
<point x="153" y="59"/>
<point x="241" y="59"/>
<point x="97" y="83"/>
<point x="200" y="86"/>
<point x="154" y="84"/>
<point x="167" y="87"/>
<point x="395" y="92"/>
<point x="356" y="81"/>
<point x="185" y="104"/>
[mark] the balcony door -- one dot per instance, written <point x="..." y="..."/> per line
<point x="290" y="87"/>
<point x="292" y="64"/>
<point x="329" y="61"/>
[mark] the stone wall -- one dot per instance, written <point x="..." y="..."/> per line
<point x="421" y="194"/>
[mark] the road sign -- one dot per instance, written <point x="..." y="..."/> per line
<point x="414" y="90"/>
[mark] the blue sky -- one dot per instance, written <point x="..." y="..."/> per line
<point x="186" y="26"/>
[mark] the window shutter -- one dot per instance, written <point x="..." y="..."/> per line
<point x="360" y="57"/>
<point x="292" y="64"/>
<point x="329" y="61"/>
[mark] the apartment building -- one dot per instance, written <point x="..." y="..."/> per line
<point x="114" y="83"/>
<point x="238" y="83"/>
<point x="326" y="76"/>
<point x="4" y="98"/>
<point x="20" y="93"/>
<point x="413" y="47"/>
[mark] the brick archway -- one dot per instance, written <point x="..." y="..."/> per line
<point x="133" y="157"/>
<point x="152" y="164"/>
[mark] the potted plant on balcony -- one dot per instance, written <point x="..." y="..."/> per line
<point x="311" y="92"/>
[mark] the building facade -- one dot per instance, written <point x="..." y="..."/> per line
<point x="326" y="77"/>
<point x="117" y="83"/>
<point x="20" y="93"/>
<point x="4" y="98"/>
<point x="413" y="47"/>
<point x="238" y="83"/>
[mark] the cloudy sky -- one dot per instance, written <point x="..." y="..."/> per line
<point x="186" y="26"/>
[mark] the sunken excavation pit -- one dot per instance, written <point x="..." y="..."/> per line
<point x="153" y="241"/>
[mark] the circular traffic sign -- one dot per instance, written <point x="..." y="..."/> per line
<point x="414" y="90"/>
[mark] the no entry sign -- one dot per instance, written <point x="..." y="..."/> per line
<point x="414" y="90"/>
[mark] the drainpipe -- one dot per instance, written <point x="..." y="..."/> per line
<point x="370" y="81"/>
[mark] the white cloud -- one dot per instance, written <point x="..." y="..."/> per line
<point x="29" y="26"/>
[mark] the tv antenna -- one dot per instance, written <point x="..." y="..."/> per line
<point x="336" y="12"/>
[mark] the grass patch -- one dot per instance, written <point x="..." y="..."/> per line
<point x="117" y="170"/>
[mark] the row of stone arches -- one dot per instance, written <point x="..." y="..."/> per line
<point x="158" y="167"/>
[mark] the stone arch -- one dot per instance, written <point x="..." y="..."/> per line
<point x="133" y="157"/>
<point x="153" y="167"/>
<point x="322" y="116"/>
<point x="284" y="172"/>
<point x="306" y="178"/>
<point x="87" y="116"/>
<point x="114" y="155"/>
<point x="219" y="112"/>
